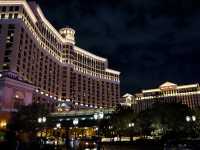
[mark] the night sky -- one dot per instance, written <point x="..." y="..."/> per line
<point x="149" y="41"/>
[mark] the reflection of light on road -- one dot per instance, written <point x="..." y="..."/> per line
<point x="90" y="149"/>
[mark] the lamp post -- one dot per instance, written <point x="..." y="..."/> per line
<point x="191" y="120"/>
<point x="75" y="123"/>
<point x="42" y="120"/>
<point x="98" y="116"/>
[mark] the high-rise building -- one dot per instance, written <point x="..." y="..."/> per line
<point x="39" y="63"/>
<point x="166" y="93"/>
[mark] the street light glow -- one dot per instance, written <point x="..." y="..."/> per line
<point x="58" y="125"/>
<point x="190" y="118"/>
<point x="193" y="118"/>
<point x="101" y="115"/>
<point x="75" y="121"/>
<point x="44" y="119"/>
<point x="131" y="125"/>
<point x="39" y="120"/>
<point x="95" y="116"/>
<point x="187" y="118"/>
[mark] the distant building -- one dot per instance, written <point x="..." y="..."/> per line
<point x="166" y="93"/>
<point x="40" y="64"/>
<point x="127" y="100"/>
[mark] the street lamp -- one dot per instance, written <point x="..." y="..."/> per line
<point x="42" y="120"/>
<point x="99" y="115"/>
<point x="75" y="122"/>
<point x="58" y="125"/>
<point x="190" y="118"/>
<point x="194" y="118"/>
<point x="131" y="125"/>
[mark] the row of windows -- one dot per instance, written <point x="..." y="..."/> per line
<point x="9" y="16"/>
<point x="8" y="46"/>
<point x="9" y="8"/>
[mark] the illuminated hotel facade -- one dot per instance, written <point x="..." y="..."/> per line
<point x="40" y="64"/>
<point x="166" y="93"/>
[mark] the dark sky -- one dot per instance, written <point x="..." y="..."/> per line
<point x="149" y="41"/>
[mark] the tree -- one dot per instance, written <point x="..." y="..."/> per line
<point x="164" y="119"/>
<point x="27" y="116"/>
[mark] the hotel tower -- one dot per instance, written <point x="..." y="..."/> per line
<point x="40" y="64"/>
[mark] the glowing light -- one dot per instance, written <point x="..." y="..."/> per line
<point x="58" y="125"/>
<point x="44" y="119"/>
<point x="3" y="124"/>
<point x="39" y="120"/>
<point x="193" y="118"/>
<point x="101" y="115"/>
<point x="95" y="116"/>
<point x="188" y="118"/>
<point x="75" y="121"/>
<point x="68" y="100"/>
<point x="113" y="71"/>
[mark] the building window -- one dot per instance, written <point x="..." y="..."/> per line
<point x="6" y="59"/>
<point x="15" y="16"/>
<point x="16" y="8"/>
<point x="6" y="67"/>
<point x="4" y="9"/>
<point x="2" y="16"/>
<point x="10" y="16"/>
<point x="11" y="8"/>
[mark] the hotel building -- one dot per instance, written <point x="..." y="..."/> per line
<point x="165" y="93"/>
<point x="40" y="64"/>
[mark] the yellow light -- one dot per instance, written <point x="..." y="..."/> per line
<point x="3" y="124"/>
